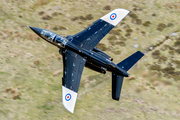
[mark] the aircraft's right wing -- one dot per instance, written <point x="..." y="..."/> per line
<point x="73" y="68"/>
<point x="92" y="35"/>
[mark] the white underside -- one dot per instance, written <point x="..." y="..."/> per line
<point x="120" y="14"/>
<point x="69" y="104"/>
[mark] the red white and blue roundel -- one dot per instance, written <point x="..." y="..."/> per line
<point x="68" y="97"/>
<point x="113" y="16"/>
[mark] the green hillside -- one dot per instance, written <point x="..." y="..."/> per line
<point x="31" y="69"/>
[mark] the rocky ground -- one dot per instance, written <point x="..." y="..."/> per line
<point x="31" y="69"/>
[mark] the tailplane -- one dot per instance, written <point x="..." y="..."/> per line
<point x="127" y="63"/>
<point x="117" y="80"/>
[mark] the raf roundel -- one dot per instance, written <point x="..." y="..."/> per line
<point x="113" y="16"/>
<point x="68" y="97"/>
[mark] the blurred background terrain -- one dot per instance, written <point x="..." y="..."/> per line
<point x="31" y="69"/>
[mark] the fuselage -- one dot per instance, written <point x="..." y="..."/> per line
<point x="94" y="60"/>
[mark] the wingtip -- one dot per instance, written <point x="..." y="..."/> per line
<point x="115" y="16"/>
<point x="70" y="110"/>
<point x="69" y="99"/>
<point x="123" y="10"/>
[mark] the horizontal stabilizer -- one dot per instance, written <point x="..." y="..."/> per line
<point x="117" y="82"/>
<point x="127" y="63"/>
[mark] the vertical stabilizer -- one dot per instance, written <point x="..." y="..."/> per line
<point x="117" y="82"/>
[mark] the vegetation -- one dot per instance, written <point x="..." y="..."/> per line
<point x="31" y="69"/>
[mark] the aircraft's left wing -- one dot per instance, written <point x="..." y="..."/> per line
<point x="73" y="68"/>
<point x="92" y="35"/>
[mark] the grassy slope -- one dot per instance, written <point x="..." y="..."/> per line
<point x="27" y="63"/>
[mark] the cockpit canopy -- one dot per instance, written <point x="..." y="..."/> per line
<point x="59" y="39"/>
<point x="48" y="35"/>
<point x="54" y="38"/>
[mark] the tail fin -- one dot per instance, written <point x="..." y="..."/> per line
<point x="127" y="63"/>
<point x="117" y="80"/>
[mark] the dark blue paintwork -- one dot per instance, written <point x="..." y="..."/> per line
<point x="79" y="51"/>
<point x="117" y="80"/>
<point x="101" y="53"/>
<point x="91" y="36"/>
<point x="73" y="68"/>
<point x="97" y="59"/>
<point x="127" y="63"/>
<point x="36" y="30"/>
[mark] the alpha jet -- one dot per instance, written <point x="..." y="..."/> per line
<point x="79" y="50"/>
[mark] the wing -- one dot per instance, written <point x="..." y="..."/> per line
<point x="92" y="35"/>
<point x="73" y="67"/>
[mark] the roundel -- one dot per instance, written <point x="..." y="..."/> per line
<point x="68" y="97"/>
<point x="113" y="16"/>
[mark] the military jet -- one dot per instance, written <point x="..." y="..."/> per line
<point x="80" y="50"/>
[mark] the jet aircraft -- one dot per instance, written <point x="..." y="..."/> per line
<point x="79" y="50"/>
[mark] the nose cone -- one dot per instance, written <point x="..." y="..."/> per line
<point x="36" y="30"/>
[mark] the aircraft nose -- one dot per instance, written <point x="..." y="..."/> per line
<point x="36" y="30"/>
